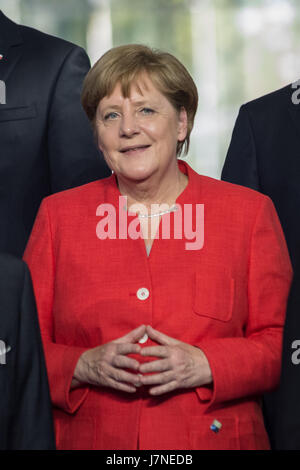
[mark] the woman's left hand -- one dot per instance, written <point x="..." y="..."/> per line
<point x="180" y="365"/>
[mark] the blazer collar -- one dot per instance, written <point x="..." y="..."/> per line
<point x="191" y="192"/>
<point x="9" y="32"/>
<point x="10" y="37"/>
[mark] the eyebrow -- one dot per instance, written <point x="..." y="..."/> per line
<point x="111" y="107"/>
<point x="141" y="102"/>
<point x="135" y="103"/>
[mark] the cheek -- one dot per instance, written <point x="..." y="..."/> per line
<point x="99" y="144"/>
<point x="157" y="132"/>
<point x="165" y="130"/>
<point x="106" y="147"/>
<point x="103" y="140"/>
<point x="98" y="138"/>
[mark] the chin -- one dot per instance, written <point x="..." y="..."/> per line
<point x="139" y="174"/>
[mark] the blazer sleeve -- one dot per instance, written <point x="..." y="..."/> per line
<point x="31" y="426"/>
<point x="73" y="157"/>
<point x="240" y="165"/>
<point x="250" y="365"/>
<point x="61" y="359"/>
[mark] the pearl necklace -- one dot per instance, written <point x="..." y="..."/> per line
<point x="147" y="216"/>
<point x="174" y="208"/>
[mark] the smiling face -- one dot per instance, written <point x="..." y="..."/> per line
<point x="138" y="135"/>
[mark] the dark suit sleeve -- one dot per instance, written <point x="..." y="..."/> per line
<point x="32" y="424"/>
<point x="240" y="166"/>
<point x="73" y="156"/>
<point x="287" y="425"/>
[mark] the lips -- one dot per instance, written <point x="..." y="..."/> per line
<point x="134" y="148"/>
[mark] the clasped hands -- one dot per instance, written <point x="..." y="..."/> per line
<point x="178" y="364"/>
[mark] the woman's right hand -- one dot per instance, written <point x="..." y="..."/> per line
<point x="103" y="365"/>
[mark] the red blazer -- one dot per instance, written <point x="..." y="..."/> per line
<point x="228" y="298"/>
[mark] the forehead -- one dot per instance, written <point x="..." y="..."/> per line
<point x="140" y="90"/>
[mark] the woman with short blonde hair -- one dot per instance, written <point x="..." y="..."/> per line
<point x="154" y="338"/>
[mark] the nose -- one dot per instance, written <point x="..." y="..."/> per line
<point x="129" y="125"/>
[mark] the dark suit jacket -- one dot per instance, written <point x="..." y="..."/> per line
<point x="46" y="143"/>
<point x="25" y="411"/>
<point x="264" y="155"/>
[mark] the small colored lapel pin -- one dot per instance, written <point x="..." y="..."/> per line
<point x="215" y="426"/>
<point x="1" y="56"/>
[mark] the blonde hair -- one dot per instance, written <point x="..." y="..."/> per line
<point x="125" y="65"/>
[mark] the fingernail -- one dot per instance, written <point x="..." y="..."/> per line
<point x="138" y="384"/>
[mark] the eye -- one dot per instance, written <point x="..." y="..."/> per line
<point x="147" y="111"/>
<point x="110" y="116"/>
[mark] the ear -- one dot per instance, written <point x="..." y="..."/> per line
<point x="182" y="124"/>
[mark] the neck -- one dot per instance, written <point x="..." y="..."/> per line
<point x="158" y="189"/>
